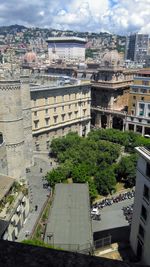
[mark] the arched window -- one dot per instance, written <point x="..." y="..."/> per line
<point x="1" y="138"/>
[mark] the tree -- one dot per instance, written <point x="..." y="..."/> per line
<point x="105" y="180"/>
<point x="55" y="176"/>
<point x="80" y="173"/>
<point x="126" y="170"/>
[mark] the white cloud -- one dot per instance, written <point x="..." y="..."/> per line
<point x="118" y="16"/>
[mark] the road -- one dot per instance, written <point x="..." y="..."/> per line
<point x="37" y="194"/>
<point x="112" y="216"/>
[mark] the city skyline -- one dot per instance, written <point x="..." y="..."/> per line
<point x="114" y="16"/>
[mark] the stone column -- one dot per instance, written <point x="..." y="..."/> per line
<point x="111" y="102"/>
<point x="109" y="121"/>
<point x="98" y="120"/>
<point x="134" y="128"/>
<point x="143" y="130"/>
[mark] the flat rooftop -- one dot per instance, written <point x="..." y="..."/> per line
<point x="144" y="151"/>
<point x="5" y="184"/>
<point x="69" y="222"/>
<point x="66" y="40"/>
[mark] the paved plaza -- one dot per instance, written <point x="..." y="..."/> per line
<point x="112" y="216"/>
<point x="37" y="194"/>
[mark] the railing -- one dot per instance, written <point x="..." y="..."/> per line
<point x="109" y="110"/>
<point x="81" y="248"/>
<point x="112" y="84"/>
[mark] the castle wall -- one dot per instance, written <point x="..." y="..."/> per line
<point x="11" y="126"/>
<point x="3" y="159"/>
<point x="27" y="120"/>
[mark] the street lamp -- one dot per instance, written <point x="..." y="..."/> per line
<point x="49" y="237"/>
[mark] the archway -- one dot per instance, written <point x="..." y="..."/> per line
<point x="117" y="123"/>
<point x="104" y="121"/>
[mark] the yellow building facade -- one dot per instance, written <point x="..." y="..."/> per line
<point x="138" y="118"/>
<point x="59" y="110"/>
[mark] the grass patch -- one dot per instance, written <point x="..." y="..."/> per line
<point x="120" y="187"/>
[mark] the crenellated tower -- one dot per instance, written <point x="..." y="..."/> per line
<point x="27" y="119"/>
<point x="12" y="141"/>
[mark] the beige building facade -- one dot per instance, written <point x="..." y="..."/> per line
<point x="138" y="119"/>
<point x="58" y="110"/>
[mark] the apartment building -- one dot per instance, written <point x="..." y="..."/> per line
<point x="138" y="119"/>
<point x="140" y="228"/>
<point x="137" y="46"/>
<point x="66" y="48"/>
<point x="58" y="110"/>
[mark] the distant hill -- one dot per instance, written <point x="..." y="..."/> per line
<point x="11" y="29"/>
<point x="34" y="31"/>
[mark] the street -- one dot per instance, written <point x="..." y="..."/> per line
<point x="37" y="195"/>
<point x="112" y="216"/>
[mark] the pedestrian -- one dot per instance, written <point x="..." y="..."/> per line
<point x="36" y="207"/>
<point x="41" y="170"/>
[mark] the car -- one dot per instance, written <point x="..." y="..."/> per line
<point x="147" y="135"/>
<point x="95" y="211"/>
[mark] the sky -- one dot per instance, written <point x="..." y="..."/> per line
<point x="114" y="16"/>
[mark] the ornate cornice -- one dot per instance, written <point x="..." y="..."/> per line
<point x="8" y="86"/>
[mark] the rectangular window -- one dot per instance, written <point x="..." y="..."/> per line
<point x="142" y="98"/>
<point x="46" y="111"/>
<point x="62" y="98"/>
<point x="148" y="169"/>
<point x="141" y="231"/>
<point x="63" y="117"/>
<point x="36" y="124"/>
<point x="144" y="213"/>
<point x="37" y="147"/>
<point x="145" y="82"/>
<point x="134" y="97"/>
<point x="55" y="119"/>
<point x="54" y="109"/>
<point x="146" y="192"/>
<point x="47" y="121"/>
<point x="69" y="106"/>
<point x="84" y="112"/>
<point x="70" y="115"/>
<point x="35" y="113"/>
<point x="62" y="108"/>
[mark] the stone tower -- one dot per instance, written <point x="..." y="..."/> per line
<point x="12" y="144"/>
<point x="27" y="119"/>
